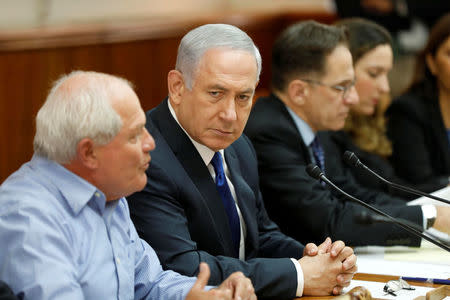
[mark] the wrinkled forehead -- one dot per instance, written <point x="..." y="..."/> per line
<point x="212" y="54"/>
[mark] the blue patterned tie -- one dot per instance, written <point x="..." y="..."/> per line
<point x="318" y="153"/>
<point x="228" y="201"/>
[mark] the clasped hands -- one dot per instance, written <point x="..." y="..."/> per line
<point x="327" y="268"/>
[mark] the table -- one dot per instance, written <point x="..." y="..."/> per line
<point x="376" y="278"/>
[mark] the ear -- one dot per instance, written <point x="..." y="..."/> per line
<point x="298" y="91"/>
<point x="176" y="85"/>
<point x="86" y="153"/>
<point x="429" y="59"/>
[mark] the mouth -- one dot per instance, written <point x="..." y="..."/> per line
<point x="145" y="165"/>
<point x="223" y="132"/>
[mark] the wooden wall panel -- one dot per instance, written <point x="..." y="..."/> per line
<point x="27" y="72"/>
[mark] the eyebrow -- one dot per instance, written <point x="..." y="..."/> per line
<point x="345" y="81"/>
<point x="219" y="87"/>
<point x="137" y="128"/>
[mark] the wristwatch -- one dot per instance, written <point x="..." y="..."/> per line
<point x="430" y="222"/>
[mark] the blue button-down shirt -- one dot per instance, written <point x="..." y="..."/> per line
<point x="60" y="239"/>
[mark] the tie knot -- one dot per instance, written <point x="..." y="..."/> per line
<point x="216" y="161"/>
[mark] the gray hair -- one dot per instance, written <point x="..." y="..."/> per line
<point x="201" y="39"/>
<point x="78" y="106"/>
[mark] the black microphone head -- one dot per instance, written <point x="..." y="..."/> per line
<point x="314" y="171"/>
<point x="351" y="159"/>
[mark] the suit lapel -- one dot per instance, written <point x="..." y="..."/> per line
<point x="194" y="166"/>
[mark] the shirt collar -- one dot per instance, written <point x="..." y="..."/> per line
<point x="205" y="153"/>
<point x="305" y="130"/>
<point x="76" y="190"/>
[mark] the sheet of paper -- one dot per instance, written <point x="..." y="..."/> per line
<point x="442" y="193"/>
<point x="403" y="261"/>
<point x="427" y="253"/>
<point x="376" y="289"/>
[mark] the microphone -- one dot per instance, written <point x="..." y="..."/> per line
<point x="351" y="159"/>
<point x="316" y="173"/>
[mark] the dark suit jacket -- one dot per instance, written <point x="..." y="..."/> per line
<point x="6" y="293"/>
<point x="420" y="145"/>
<point x="301" y="206"/>
<point x="181" y="215"/>
<point x="342" y="141"/>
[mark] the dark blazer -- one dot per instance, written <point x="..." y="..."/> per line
<point x="342" y="141"/>
<point x="6" y="293"/>
<point x="421" y="152"/>
<point x="301" y="206"/>
<point x="181" y="214"/>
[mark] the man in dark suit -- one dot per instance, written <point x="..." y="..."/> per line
<point x="202" y="200"/>
<point x="313" y="88"/>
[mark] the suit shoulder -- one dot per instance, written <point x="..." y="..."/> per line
<point x="269" y="119"/>
<point x="243" y="146"/>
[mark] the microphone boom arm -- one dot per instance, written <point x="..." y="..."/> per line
<point x="315" y="172"/>
<point x="352" y="159"/>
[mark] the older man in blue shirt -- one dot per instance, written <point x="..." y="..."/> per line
<point x="65" y="227"/>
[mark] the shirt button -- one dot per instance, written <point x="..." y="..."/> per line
<point x="97" y="194"/>
<point x="118" y="261"/>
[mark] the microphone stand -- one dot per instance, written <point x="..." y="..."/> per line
<point x="351" y="159"/>
<point x="316" y="172"/>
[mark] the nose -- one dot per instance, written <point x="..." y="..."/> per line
<point x="384" y="84"/>
<point x="148" y="143"/>
<point x="229" y="110"/>
<point x="352" y="97"/>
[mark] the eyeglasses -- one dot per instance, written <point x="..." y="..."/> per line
<point x="393" y="286"/>
<point x="344" y="89"/>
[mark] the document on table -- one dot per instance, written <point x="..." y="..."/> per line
<point x="376" y="289"/>
<point x="442" y="193"/>
<point x="428" y="261"/>
<point x="427" y="253"/>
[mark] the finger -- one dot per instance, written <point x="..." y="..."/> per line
<point x="337" y="290"/>
<point x="352" y="270"/>
<point x="349" y="262"/>
<point x="344" y="279"/>
<point x="345" y="253"/>
<point x="336" y="248"/>
<point x="325" y="246"/>
<point x="249" y="291"/>
<point x="242" y="286"/>
<point x="222" y="293"/>
<point x="310" y="249"/>
<point x="202" y="277"/>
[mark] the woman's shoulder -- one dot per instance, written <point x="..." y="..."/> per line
<point x="408" y="104"/>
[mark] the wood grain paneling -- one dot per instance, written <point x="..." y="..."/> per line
<point x="29" y="63"/>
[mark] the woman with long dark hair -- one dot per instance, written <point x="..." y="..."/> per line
<point x="419" y="120"/>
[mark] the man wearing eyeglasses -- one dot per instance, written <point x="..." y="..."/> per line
<point x="312" y="90"/>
